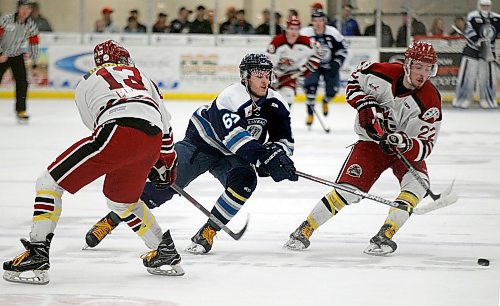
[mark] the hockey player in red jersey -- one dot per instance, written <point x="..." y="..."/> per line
<point x="131" y="137"/>
<point x="293" y="56"/>
<point x="400" y="99"/>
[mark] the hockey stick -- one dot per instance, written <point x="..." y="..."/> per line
<point x="315" y="113"/>
<point x="235" y="236"/>
<point x="418" y="211"/>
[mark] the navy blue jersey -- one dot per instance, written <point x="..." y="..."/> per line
<point x="233" y="124"/>
<point x="481" y="27"/>
<point x="333" y="45"/>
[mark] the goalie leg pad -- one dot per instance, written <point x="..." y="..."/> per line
<point x="140" y="219"/>
<point x="47" y="207"/>
<point x="465" y="83"/>
<point x="487" y="84"/>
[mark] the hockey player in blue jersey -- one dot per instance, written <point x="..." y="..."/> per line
<point x="333" y="54"/>
<point x="247" y="127"/>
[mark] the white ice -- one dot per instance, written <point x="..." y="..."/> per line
<point x="435" y="263"/>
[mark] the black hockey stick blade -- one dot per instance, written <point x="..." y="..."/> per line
<point x="235" y="236"/>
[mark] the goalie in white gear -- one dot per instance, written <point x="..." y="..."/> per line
<point x="478" y="58"/>
<point x="131" y="134"/>
<point x="400" y="100"/>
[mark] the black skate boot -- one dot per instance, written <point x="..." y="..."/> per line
<point x="100" y="230"/>
<point x="34" y="259"/>
<point x="325" y="108"/>
<point x="299" y="239"/>
<point x="22" y="117"/>
<point x="380" y="244"/>
<point x="164" y="255"/>
<point x="310" y="116"/>
<point x="203" y="240"/>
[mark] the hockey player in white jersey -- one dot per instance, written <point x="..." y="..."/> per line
<point x="400" y="100"/>
<point x="293" y="56"/>
<point x="478" y="58"/>
<point x="131" y="137"/>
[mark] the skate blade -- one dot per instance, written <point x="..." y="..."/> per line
<point x="378" y="251"/>
<point x="196" y="249"/>
<point x="41" y="277"/>
<point x="175" y="270"/>
<point x="294" y="245"/>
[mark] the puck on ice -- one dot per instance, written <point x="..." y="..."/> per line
<point x="483" y="262"/>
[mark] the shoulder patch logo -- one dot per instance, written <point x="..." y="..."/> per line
<point x="432" y="114"/>
<point x="354" y="170"/>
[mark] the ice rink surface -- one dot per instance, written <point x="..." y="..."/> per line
<point x="435" y="263"/>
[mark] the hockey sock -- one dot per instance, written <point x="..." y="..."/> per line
<point x="398" y="217"/>
<point x="140" y="219"/>
<point x="227" y="206"/>
<point x="47" y="208"/>
<point x="326" y="208"/>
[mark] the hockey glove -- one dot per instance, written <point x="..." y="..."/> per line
<point x="277" y="164"/>
<point x="164" y="172"/>
<point x="369" y="112"/>
<point x="399" y="141"/>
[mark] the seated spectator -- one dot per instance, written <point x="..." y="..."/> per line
<point x="349" y="25"/>
<point x="211" y="20"/>
<point x="200" y="24"/>
<point x="265" y="28"/>
<point x="135" y="13"/>
<point x="105" y="24"/>
<point x="240" y="25"/>
<point x="437" y="28"/>
<point x="161" y="25"/>
<point x="181" y="24"/>
<point x="42" y="23"/>
<point x="459" y="22"/>
<point x="292" y="12"/>
<point x="387" y="38"/>
<point x="230" y="18"/>
<point x="417" y="28"/>
<point x="133" y="26"/>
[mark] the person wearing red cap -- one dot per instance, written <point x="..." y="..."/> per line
<point x="105" y="24"/>
<point x="399" y="111"/>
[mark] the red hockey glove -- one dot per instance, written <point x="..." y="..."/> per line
<point x="399" y="141"/>
<point x="164" y="172"/>
<point x="369" y="112"/>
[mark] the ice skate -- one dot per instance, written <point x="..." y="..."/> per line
<point x="203" y="240"/>
<point x="164" y="255"/>
<point x="325" y="108"/>
<point x="299" y="239"/>
<point x="99" y="230"/>
<point x="22" y="117"/>
<point x="380" y="244"/>
<point x="34" y="260"/>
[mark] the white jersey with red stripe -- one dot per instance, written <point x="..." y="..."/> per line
<point x="415" y="112"/>
<point x="113" y="91"/>
<point x="289" y="58"/>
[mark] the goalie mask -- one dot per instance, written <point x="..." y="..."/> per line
<point x="255" y="63"/>
<point x="420" y="52"/>
<point x="111" y="52"/>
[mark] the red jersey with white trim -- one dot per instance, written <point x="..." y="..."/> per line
<point x="415" y="112"/>
<point x="289" y="58"/>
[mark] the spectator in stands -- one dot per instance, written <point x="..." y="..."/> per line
<point x="240" y="25"/>
<point x="141" y="27"/>
<point x="230" y="18"/>
<point x="459" y="22"/>
<point x="292" y="12"/>
<point x="265" y="28"/>
<point x="161" y="25"/>
<point x="200" y="24"/>
<point x="437" y="28"/>
<point x="181" y="24"/>
<point x="105" y="24"/>
<point x="387" y="38"/>
<point x="417" y="28"/>
<point x="133" y="26"/>
<point x="349" y="26"/>
<point x="41" y="22"/>
<point x="211" y="19"/>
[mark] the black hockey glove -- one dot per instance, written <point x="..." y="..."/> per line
<point x="164" y="172"/>
<point x="399" y="141"/>
<point x="277" y="164"/>
<point x="369" y="112"/>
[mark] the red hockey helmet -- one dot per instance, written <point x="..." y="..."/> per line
<point x="293" y="21"/>
<point x="421" y="51"/>
<point x="111" y="52"/>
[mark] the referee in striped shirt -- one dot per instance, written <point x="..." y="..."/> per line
<point x="18" y="31"/>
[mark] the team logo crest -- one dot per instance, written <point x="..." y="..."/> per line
<point x="256" y="126"/>
<point x="431" y="115"/>
<point x="354" y="170"/>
